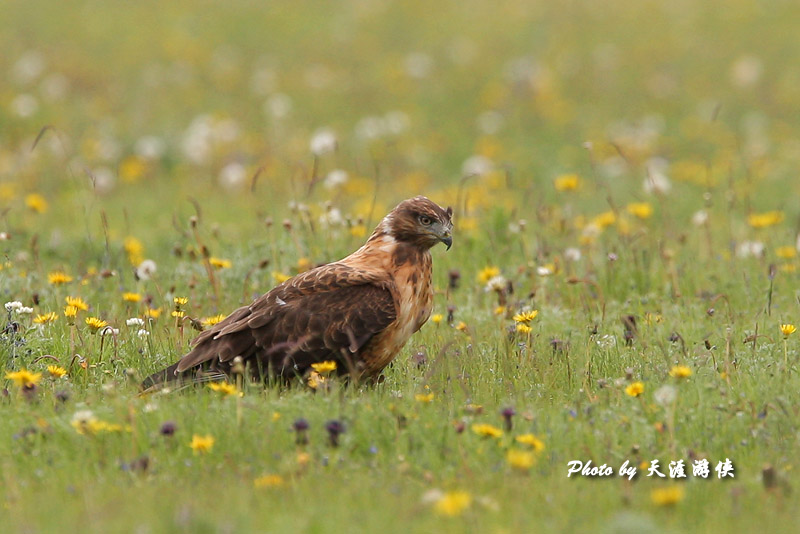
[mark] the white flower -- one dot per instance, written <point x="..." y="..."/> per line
<point x="746" y="71"/>
<point x="490" y="122"/>
<point x="665" y="395"/>
<point x="146" y="269"/>
<point x="83" y="417"/>
<point x="232" y="176"/>
<point x="108" y="330"/>
<point x="150" y="147"/>
<point x="24" y="105"/>
<point x="419" y="65"/>
<point x="331" y="217"/>
<point x="28" y="67"/>
<point x="278" y="105"/>
<point x="103" y="180"/>
<point x="497" y="283"/>
<point x="750" y="248"/>
<point x="142" y="333"/>
<point x="134" y="321"/>
<point x="606" y="341"/>
<point x="572" y="254"/>
<point x="476" y="165"/>
<point x="335" y="178"/>
<point x="700" y="218"/>
<point x="656" y="180"/>
<point x="323" y="142"/>
<point x="12" y="305"/>
<point x="54" y="87"/>
<point x="25" y="309"/>
<point x="4" y="236"/>
<point x="544" y="271"/>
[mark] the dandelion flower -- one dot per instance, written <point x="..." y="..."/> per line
<point x="324" y="367"/>
<point x="77" y="302"/>
<point x="315" y="380"/>
<point x="280" y="277"/>
<point x="526" y="317"/>
<point x="487" y="273"/>
<point x="669" y="496"/>
<point x="764" y="220"/>
<point x="680" y="371"/>
<point x="530" y="440"/>
<point x="180" y="301"/>
<point x="134" y="248"/>
<point x="269" y="481"/>
<point x="36" y="203"/>
<point x="58" y="278"/>
<point x="223" y="388"/>
<point x="424" y="397"/>
<point x="219" y="263"/>
<point x="567" y="182"/>
<point x="519" y="459"/>
<point x="786" y="252"/>
<point x="523" y="328"/>
<point x="640" y="210"/>
<point x="24" y="378"/>
<point x="787" y="329"/>
<point x="95" y="323"/>
<point x="153" y="313"/>
<point x="214" y="319"/>
<point x="453" y="503"/>
<point x="461" y="326"/>
<point x="635" y="389"/>
<point x="437" y="318"/>
<point x="500" y="310"/>
<point x="45" y="318"/>
<point x="202" y="444"/>
<point x="55" y="371"/>
<point x="131" y="297"/>
<point x="487" y="430"/>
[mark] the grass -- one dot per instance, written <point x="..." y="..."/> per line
<point x="183" y="133"/>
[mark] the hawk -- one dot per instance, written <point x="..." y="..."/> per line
<point x="359" y="311"/>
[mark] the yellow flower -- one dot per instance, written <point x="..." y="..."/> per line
<point x="531" y="440"/>
<point x="135" y="250"/>
<point x="358" y="230"/>
<point x="56" y="371"/>
<point x="680" y="371"/>
<point x="523" y="328"/>
<point x="526" y="317"/>
<point x="787" y="329"/>
<point x="487" y="430"/>
<point x="303" y="265"/>
<point x="635" y="389"/>
<point x="669" y="496"/>
<point x="24" y="378"/>
<point x="131" y="297"/>
<point x="519" y="459"/>
<point x="95" y="323"/>
<point x="36" y="203"/>
<point x="279" y="277"/>
<point x="78" y="302"/>
<point x="324" y="367"/>
<point x="45" y="318"/>
<point x="453" y="503"/>
<point x="202" y="444"/>
<point x="315" y="380"/>
<point x="153" y="313"/>
<point x="220" y="263"/>
<point x="180" y="301"/>
<point x="70" y="312"/>
<point x="605" y="219"/>
<point x="214" y="319"/>
<point x="499" y="310"/>
<point x="567" y="182"/>
<point x="461" y="326"/>
<point x="57" y="278"/>
<point x="223" y="387"/>
<point x="303" y="458"/>
<point x="786" y="252"/>
<point x="487" y="273"/>
<point x="131" y="169"/>
<point x="640" y="210"/>
<point x="178" y="313"/>
<point x="436" y="319"/>
<point x="424" y="397"/>
<point x="764" y="220"/>
<point x="269" y="481"/>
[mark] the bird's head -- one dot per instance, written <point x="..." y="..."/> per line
<point x="420" y="222"/>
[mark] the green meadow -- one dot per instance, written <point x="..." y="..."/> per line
<point x="622" y="288"/>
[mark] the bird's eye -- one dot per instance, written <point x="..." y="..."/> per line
<point x="425" y="220"/>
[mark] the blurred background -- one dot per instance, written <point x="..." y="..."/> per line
<point x="252" y="109"/>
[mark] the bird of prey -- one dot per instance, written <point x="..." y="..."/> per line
<point x="359" y="311"/>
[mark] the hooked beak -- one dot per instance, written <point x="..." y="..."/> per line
<point x="447" y="239"/>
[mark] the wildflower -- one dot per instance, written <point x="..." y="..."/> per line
<point x="487" y="273"/>
<point x="25" y="309"/>
<point x="453" y="503"/>
<point x="315" y="380"/>
<point x="487" y="430"/>
<point x="508" y="414"/>
<point x="56" y="371"/>
<point x="335" y="429"/>
<point x="134" y="321"/>
<point x="142" y="333"/>
<point x="219" y="263"/>
<point x="131" y="297"/>
<point x="530" y="440"/>
<point x="279" y="277"/>
<point x="519" y="459"/>
<point x="223" y="388"/>
<point x="77" y="302"/>
<point x="500" y="310"/>
<point x="301" y="427"/>
<point x="523" y="328"/>
<point x="764" y="220"/>
<point x="70" y="312"/>
<point x="665" y="395"/>
<point x="202" y="444"/>
<point x="567" y="182"/>
<point x="359" y="230"/>
<point x="24" y="378"/>
<point x="424" y="397"/>
<point x="269" y="481"/>
<point x="180" y="301"/>
<point x="134" y="248"/>
<point x="667" y="496"/>
<point x="36" y="203"/>
<point x="787" y="329"/>
<point x="323" y="141"/>
<point x="635" y="389"/>
<point x="324" y="367"/>
<point x="57" y="278"/>
<point x="605" y="219"/>
<point x="12" y="305"/>
<point x="168" y="428"/>
<point x="680" y="371"/>
<point x="153" y="313"/>
<point x="461" y="326"/>
<point x="45" y="318"/>
<point x="212" y="320"/>
<point x="95" y="323"/>
<point x="497" y="284"/>
<point x="640" y="210"/>
<point x="437" y="318"/>
<point x="786" y="252"/>
<point x="145" y="270"/>
<point x="526" y="317"/>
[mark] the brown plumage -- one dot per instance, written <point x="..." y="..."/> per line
<point x="358" y="311"/>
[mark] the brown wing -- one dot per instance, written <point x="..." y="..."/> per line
<point x="328" y="313"/>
